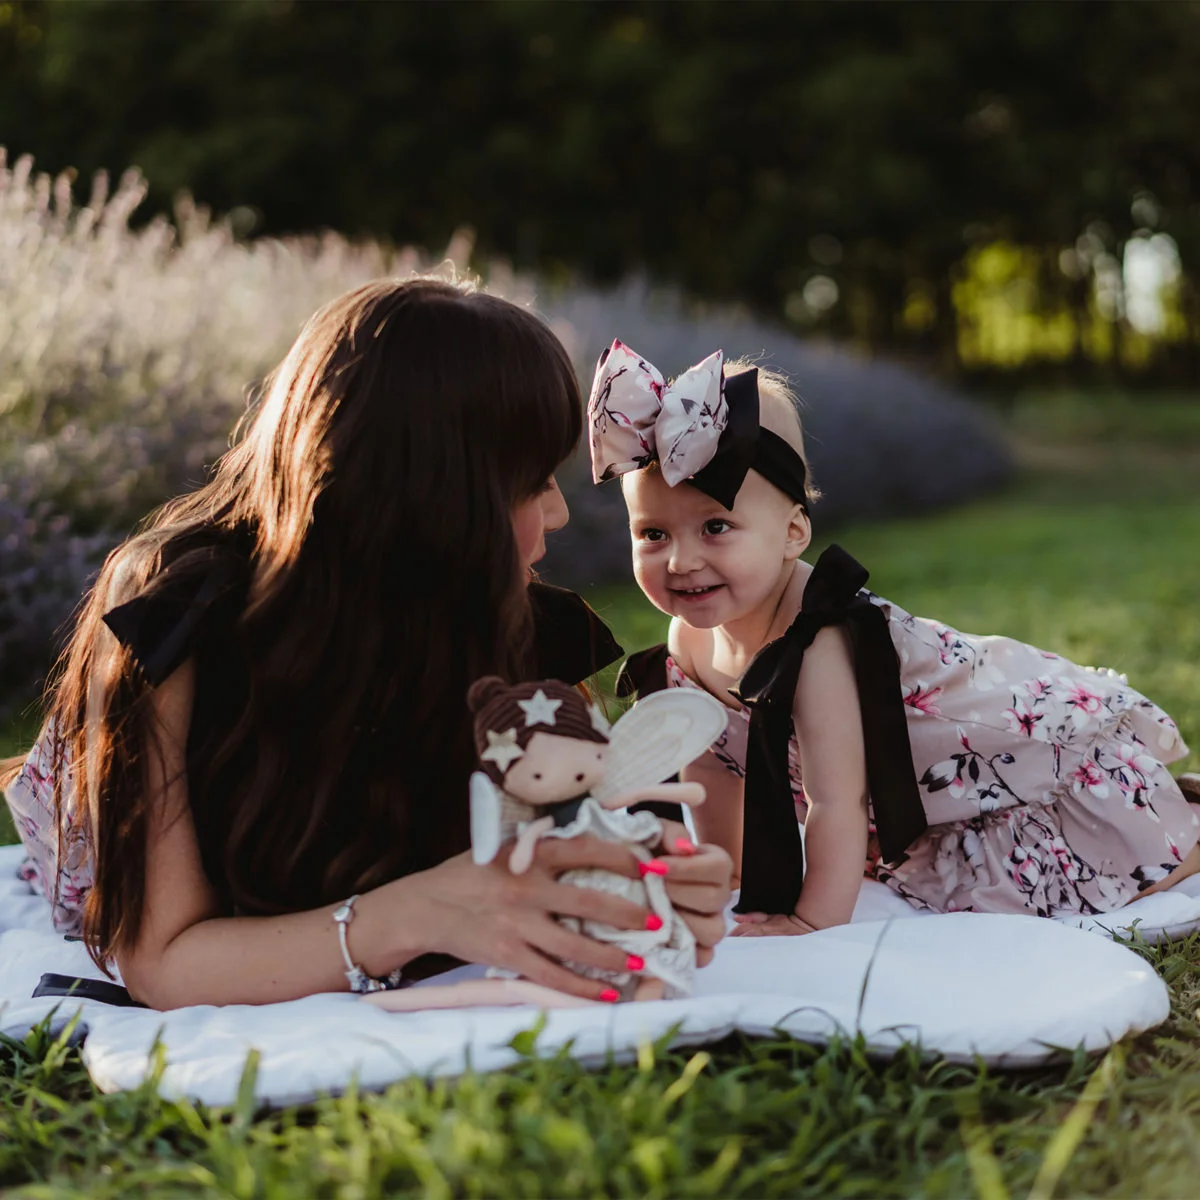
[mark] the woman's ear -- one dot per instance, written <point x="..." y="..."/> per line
<point x="799" y="533"/>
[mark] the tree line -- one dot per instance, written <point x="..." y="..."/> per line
<point x="846" y="168"/>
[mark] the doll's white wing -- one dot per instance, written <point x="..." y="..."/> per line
<point x="658" y="737"/>
<point x="487" y="826"/>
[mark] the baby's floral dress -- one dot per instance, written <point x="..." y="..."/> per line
<point x="1044" y="783"/>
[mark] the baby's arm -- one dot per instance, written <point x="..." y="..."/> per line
<point x="829" y="731"/>
<point x="719" y="822"/>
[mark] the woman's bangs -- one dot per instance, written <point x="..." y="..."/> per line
<point x="539" y="403"/>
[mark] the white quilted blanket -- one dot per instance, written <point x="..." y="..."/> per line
<point x="1012" y="990"/>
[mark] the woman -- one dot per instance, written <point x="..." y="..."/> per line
<point x="259" y="743"/>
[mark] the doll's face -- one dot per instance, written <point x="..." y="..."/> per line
<point x="555" y="768"/>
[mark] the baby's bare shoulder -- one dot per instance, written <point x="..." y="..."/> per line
<point x="690" y="648"/>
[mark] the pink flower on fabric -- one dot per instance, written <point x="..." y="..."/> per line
<point x="1022" y="719"/>
<point x="1038" y="688"/>
<point x="1088" y="776"/>
<point x="945" y="774"/>
<point x="1172" y="848"/>
<point x="1067" y="861"/>
<point x="1084" y="698"/>
<point x="951" y="645"/>
<point x="1135" y="760"/>
<point x="1025" y="868"/>
<point x="1084" y="704"/>
<point x="923" y="699"/>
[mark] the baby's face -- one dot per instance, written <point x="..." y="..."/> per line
<point x="556" y="768"/>
<point x="700" y="562"/>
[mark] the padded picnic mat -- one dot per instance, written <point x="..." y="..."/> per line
<point x="1014" y="991"/>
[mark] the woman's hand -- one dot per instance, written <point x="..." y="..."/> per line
<point x="489" y="915"/>
<point x="765" y="925"/>
<point x="698" y="881"/>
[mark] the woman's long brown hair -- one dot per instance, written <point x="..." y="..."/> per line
<point x="374" y="485"/>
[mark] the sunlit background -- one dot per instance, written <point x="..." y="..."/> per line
<point x="970" y="234"/>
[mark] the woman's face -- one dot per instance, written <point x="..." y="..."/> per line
<point x="533" y="518"/>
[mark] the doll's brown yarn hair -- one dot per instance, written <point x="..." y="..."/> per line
<point x="496" y="708"/>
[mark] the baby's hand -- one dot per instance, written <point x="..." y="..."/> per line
<point x="762" y="925"/>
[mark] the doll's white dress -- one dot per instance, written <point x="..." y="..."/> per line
<point x="670" y="951"/>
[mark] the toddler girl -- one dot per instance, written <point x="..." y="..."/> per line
<point x="966" y="773"/>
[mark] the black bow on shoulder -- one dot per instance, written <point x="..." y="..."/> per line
<point x="772" y="852"/>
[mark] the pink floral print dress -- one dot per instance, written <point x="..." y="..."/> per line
<point x="1044" y="783"/>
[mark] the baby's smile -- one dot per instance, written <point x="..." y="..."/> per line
<point x="696" y="593"/>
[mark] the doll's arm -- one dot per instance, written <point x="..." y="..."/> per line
<point x="522" y="853"/>
<point x="691" y="794"/>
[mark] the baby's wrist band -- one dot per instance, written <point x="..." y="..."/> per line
<point x="359" y="980"/>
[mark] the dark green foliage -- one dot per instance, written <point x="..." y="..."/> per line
<point x="736" y="149"/>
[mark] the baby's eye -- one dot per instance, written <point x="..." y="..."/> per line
<point x="717" y="525"/>
<point x="652" y="535"/>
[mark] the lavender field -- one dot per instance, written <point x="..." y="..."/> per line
<point x="130" y="347"/>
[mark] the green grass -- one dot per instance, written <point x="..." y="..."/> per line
<point x="1092" y="554"/>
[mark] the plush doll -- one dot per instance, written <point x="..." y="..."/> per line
<point x="552" y="767"/>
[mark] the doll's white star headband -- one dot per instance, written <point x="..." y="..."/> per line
<point x="701" y="429"/>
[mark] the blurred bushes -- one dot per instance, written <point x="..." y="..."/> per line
<point x="834" y="164"/>
<point x="126" y="355"/>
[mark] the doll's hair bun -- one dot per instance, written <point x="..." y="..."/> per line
<point x="484" y="691"/>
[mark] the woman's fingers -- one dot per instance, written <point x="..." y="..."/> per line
<point x="563" y="943"/>
<point x="590" y="904"/>
<point x="557" y="855"/>
<point x="705" y="864"/>
<point x="707" y="930"/>
<point x="704" y="898"/>
<point x="540" y="969"/>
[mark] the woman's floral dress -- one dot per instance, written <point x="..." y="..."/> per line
<point x="1043" y="782"/>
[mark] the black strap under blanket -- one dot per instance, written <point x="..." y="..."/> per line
<point x="772" y="852"/>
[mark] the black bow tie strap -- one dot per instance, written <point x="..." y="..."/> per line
<point x="643" y="673"/>
<point x="772" y="852"/>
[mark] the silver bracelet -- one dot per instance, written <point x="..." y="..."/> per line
<point x="360" y="981"/>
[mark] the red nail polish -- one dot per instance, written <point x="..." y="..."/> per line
<point x="654" y="867"/>
<point x="653" y="923"/>
<point x="610" y="995"/>
<point x="635" y="962"/>
<point x="685" y="845"/>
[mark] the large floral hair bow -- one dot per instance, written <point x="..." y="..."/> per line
<point x="701" y="429"/>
